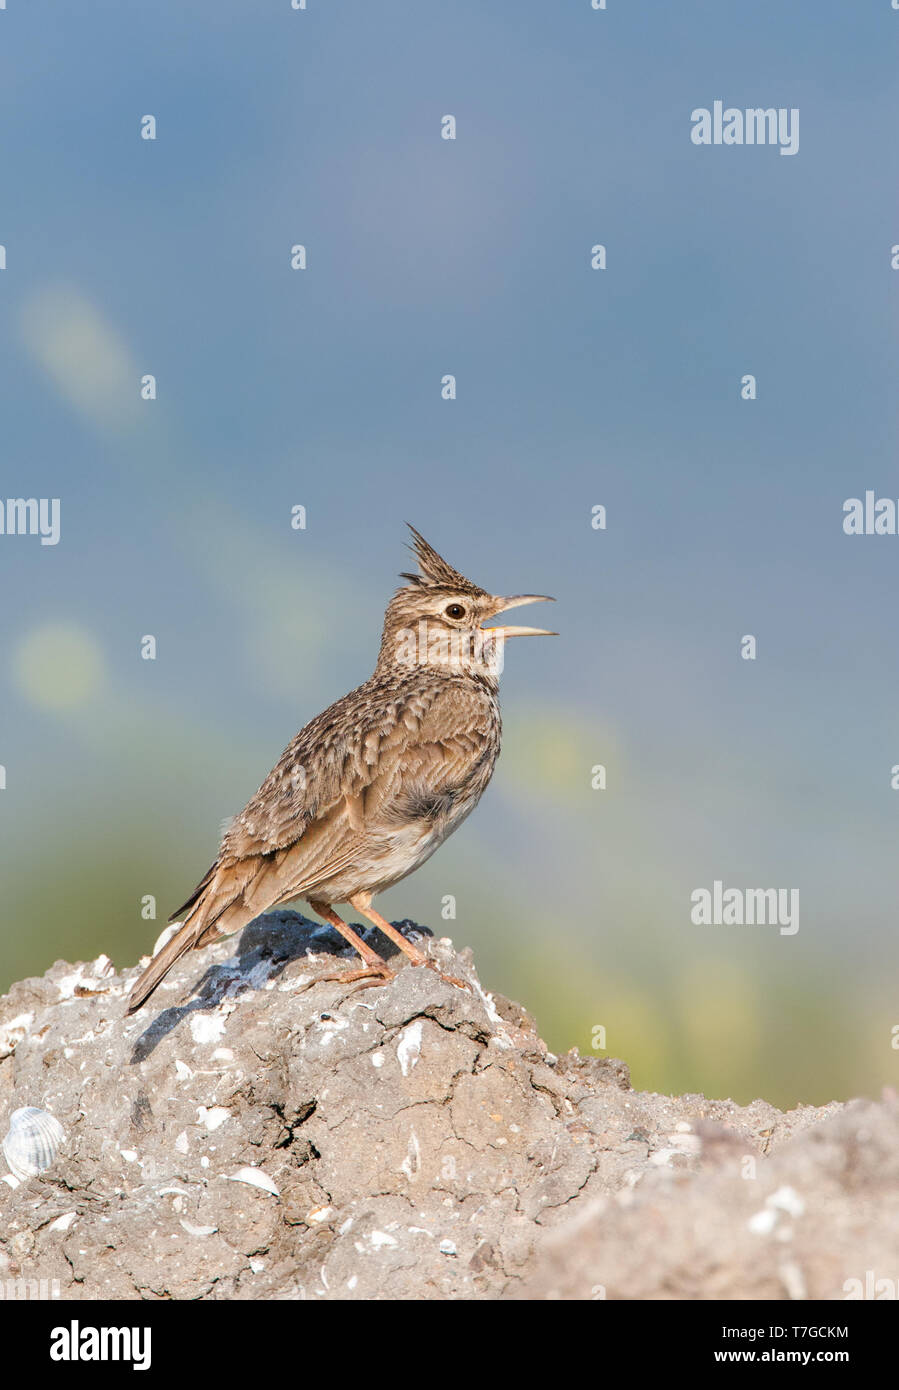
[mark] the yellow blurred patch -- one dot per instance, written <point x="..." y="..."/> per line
<point x="719" y="1016"/>
<point x="553" y="752"/>
<point x="59" y="666"/>
<point x="85" y="357"/>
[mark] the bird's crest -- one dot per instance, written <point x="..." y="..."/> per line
<point x="436" y="573"/>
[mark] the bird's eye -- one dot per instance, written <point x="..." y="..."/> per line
<point x="455" y="610"/>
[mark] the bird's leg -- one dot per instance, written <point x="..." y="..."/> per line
<point x="362" y="903"/>
<point x="374" y="965"/>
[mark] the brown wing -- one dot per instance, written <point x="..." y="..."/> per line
<point x="419" y="774"/>
<point x="425" y="750"/>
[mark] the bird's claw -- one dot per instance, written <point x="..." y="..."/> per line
<point x="449" y="979"/>
<point x="370" y="974"/>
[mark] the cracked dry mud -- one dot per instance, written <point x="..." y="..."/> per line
<point x="254" y="1133"/>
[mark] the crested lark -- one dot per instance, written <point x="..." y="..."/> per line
<point x="370" y="788"/>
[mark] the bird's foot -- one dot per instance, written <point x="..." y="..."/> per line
<point x="448" y="979"/>
<point x="370" y="974"/>
<point x="362" y="903"/>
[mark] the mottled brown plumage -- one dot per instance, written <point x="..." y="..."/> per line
<point x="372" y="786"/>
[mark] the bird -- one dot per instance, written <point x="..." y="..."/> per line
<point x="371" y="787"/>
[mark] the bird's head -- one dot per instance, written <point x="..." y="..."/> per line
<point x="438" y="619"/>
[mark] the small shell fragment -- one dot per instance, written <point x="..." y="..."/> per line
<point x="408" y="1048"/>
<point x="165" y="936"/>
<point x="32" y="1143"/>
<point x="253" y="1177"/>
<point x="193" y="1230"/>
<point x="62" y="1223"/>
<point x="13" y="1032"/>
<point x="212" y="1118"/>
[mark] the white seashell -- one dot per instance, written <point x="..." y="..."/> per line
<point x="409" y="1047"/>
<point x="206" y="1028"/>
<point x="212" y="1118"/>
<point x="254" y="1177"/>
<point x="166" y="935"/>
<point x="193" y="1230"/>
<point x="33" y="1141"/>
<point x="62" y="1223"/>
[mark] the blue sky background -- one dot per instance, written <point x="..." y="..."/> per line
<point x="575" y="387"/>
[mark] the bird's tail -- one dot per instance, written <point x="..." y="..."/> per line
<point x="231" y="894"/>
<point x="183" y="940"/>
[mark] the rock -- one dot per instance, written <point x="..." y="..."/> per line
<point x="818" y="1220"/>
<point x="256" y="1131"/>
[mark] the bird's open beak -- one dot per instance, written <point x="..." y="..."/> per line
<point x="517" y="601"/>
